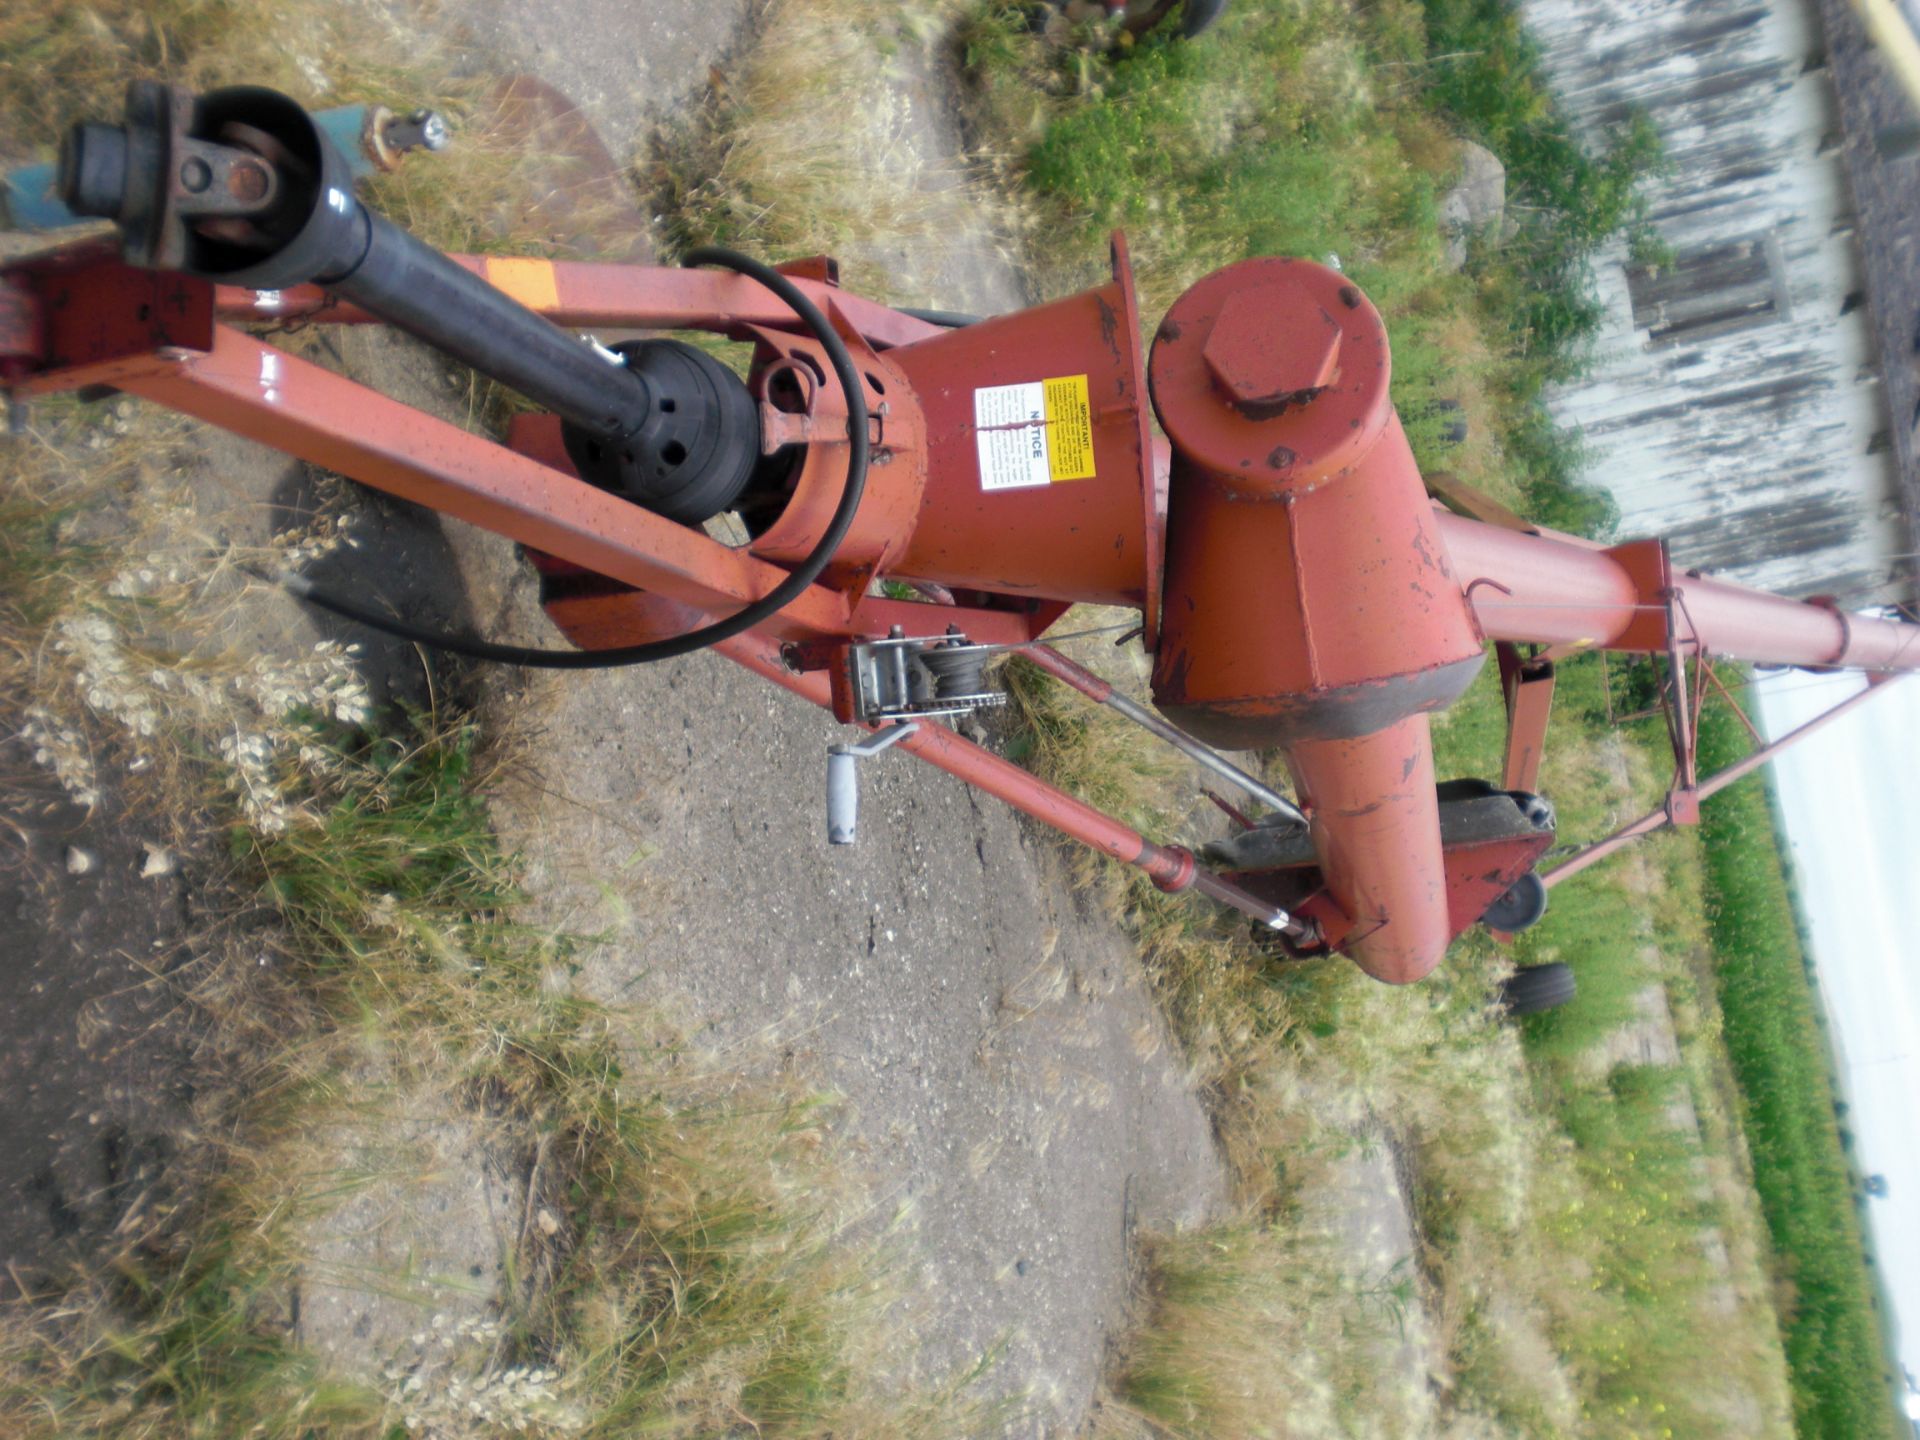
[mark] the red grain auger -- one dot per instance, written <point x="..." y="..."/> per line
<point x="1298" y="588"/>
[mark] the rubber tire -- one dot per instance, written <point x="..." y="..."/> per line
<point x="1197" y="18"/>
<point x="1521" y="907"/>
<point x="1536" y="988"/>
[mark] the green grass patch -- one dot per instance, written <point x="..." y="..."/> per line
<point x="1484" y="70"/>
<point x="1835" y="1338"/>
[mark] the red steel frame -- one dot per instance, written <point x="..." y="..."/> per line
<point x="1528" y="683"/>
<point x="1683" y="800"/>
<point x="177" y="353"/>
<point x="80" y="317"/>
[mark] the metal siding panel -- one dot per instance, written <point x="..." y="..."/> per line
<point x="1746" y="441"/>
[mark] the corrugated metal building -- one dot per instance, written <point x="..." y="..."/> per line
<point x="1735" y="400"/>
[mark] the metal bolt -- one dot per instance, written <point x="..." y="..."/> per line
<point x="1275" y="347"/>
<point x="422" y="130"/>
<point x="247" y="181"/>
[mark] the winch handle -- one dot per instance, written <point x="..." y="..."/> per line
<point x="843" y="779"/>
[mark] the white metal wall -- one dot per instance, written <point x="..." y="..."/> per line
<point x="1750" y="447"/>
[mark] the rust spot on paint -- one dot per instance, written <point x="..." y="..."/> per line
<point x="1349" y="297"/>
<point x="1109" y="326"/>
<point x="1281" y="458"/>
<point x="1177" y="665"/>
<point x="1425" y="554"/>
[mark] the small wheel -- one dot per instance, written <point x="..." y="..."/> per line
<point x="1521" y="908"/>
<point x="1198" y="15"/>
<point x="1537" y="988"/>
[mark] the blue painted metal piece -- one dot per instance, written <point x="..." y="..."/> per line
<point x="344" y="125"/>
<point x="28" y="200"/>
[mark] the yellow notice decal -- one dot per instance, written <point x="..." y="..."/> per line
<point x="1069" y="429"/>
<point x="1035" y="434"/>
<point x="531" y="282"/>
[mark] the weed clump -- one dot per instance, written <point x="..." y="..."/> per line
<point x="757" y="168"/>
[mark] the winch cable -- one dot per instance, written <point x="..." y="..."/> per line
<point x="760" y="611"/>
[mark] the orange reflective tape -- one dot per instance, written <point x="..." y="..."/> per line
<point x="530" y="282"/>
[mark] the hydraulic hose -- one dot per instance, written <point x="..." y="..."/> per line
<point x="756" y="613"/>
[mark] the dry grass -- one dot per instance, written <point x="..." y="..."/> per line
<point x="1559" y="1238"/>
<point x="1533" y="1250"/>
<point x="1246" y="1313"/>
<point x="1559" y="1255"/>
<point x="812" y="145"/>
<point x="699" y="1266"/>
<point x="115" y="600"/>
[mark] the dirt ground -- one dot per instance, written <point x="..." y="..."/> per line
<point x="96" y="1072"/>
<point x="1010" y="1088"/>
